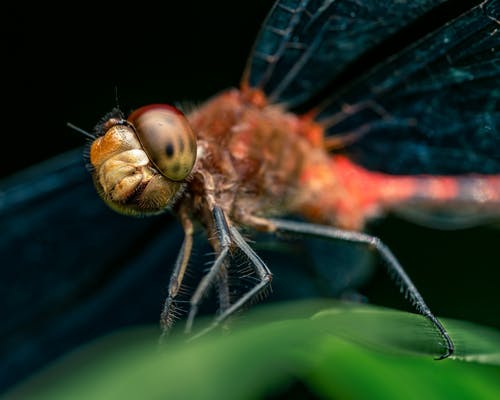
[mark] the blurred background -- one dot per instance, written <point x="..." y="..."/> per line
<point x="76" y="64"/>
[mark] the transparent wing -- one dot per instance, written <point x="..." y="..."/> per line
<point x="433" y="108"/>
<point x="305" y="44"/>
<point x="70" y="269"/>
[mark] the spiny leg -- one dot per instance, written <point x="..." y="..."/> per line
<point x="224" y="244"/>
<point x="203" y="286"/>
<point x="393" y="265"/>
<point x="167" y="316"/>
<point x="222" y="281"/>
<point x="260" y="267"/>
<point x="223" y="287"/>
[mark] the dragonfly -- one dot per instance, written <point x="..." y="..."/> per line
<point x="242" y="158"/>
<point x="415" y="132"/>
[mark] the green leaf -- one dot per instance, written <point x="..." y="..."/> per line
<point x="325" y="348"/>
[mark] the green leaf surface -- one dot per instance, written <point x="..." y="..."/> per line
<point x="322" y="348"/>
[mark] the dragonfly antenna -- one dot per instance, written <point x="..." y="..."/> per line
<point x="116" y="97"/>
<point x="80" y="130"/>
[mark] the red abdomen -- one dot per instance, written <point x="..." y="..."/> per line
<point x="346" y="195"/>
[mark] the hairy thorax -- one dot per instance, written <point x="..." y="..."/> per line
<point x="250" y="158"/>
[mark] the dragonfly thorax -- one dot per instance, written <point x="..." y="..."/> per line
<point x="250" y="157"/>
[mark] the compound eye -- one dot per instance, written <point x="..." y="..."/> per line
<point x="167" y="138"/>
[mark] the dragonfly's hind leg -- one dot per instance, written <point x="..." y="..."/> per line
<point x="394" y="267"/>
<point x="228" y="237"/>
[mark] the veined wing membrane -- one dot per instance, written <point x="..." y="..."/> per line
<point x="304" y="44"/>
<point x="434" y="108"/>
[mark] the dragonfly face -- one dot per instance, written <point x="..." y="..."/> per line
<point x="139" y="164"/>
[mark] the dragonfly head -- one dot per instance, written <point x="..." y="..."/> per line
<point x="140" y="164"/>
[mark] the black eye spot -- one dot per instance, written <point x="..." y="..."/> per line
<point x="169" y="149"/>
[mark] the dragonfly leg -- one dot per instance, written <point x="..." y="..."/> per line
<point x="263" y="272"/>
<point x="204" y="285"/>
<point x="218" y="267"/>
<point x="168" y="314"/>
<point x="223" y="286"/>
<point x="393" y="266"/>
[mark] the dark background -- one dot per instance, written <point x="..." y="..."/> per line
<point x="74" y="65"/>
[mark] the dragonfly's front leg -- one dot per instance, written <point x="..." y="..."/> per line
<point x="168" y="314"/>
<point x="228" y="236"/>
<point x="223" y="286"/>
